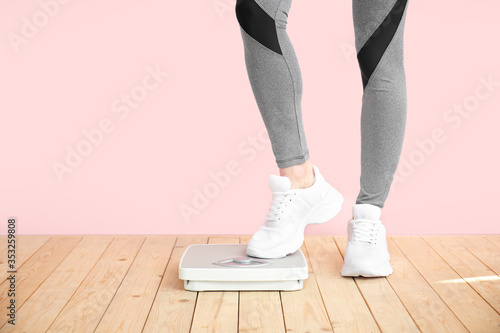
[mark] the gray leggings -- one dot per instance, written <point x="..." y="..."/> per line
<point x="275" y="78"/>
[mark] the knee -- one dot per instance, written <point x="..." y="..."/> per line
<point x="248" y="12"/>
<point x="257" y="24"/>
<point x="242" y="11"/>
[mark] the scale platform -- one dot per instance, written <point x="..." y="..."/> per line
<point x="227" y="267"/>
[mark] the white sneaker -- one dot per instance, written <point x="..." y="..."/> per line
<point x="366" y="253"/>
<point x="290" y="212"/>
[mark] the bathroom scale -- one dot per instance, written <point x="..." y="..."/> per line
<point x="227" y="267"/>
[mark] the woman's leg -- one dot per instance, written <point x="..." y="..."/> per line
<point x="275" y="78"/>
<point x="378" y="26"/>
<point x="301" y="195"/>
<point x="379" y="29"/>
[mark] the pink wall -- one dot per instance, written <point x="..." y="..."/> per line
<point x="73" y="73"/>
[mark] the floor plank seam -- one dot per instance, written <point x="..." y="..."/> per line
<point x="283" y="312"/>
<point x="118" y="288"/>
<point x="159" y="284"/>
<point x="401" y="301"/>
<point x="338" y="247"/>
<point x="194" y="310"/>
<point x="197" y="294"/>
<point x="319" y="289"/>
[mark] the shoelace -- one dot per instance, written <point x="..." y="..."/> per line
<point x="364" y="231"/>
<point x="279" y="198"/>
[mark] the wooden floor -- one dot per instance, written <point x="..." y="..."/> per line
<point x="130" y="284"/>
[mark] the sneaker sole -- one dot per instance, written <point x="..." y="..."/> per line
<point x="380" y="271"/>
<point x="320" y="214"/>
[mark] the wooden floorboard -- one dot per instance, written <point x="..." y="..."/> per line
<point x="472" y="310"/>
<point x="486" y="249"/>
<point x="83" y="312"/>
<point x="131" y="284"/>
<point x="130" y="306"/>
<point x="44" y="305"/>
<point x="427" y="309"/>
<point x="35" y="270"/>
<point x="471" y="270"/>
<point x="29" y="245"/>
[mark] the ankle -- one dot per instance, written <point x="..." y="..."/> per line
<point x="300" y="175"/>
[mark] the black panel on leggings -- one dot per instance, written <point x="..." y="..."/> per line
<point x="370" y="54"/>
<point x="258" y="24"/>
